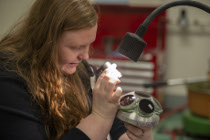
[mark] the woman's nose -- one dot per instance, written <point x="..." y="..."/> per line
<point x="84" y="54"/>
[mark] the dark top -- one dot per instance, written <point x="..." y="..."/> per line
<point x="19" y="118"/>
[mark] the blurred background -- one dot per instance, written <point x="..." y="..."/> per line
<point x="178" y="47"/>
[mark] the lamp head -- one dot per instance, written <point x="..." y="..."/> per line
<point x="131" y="46"/>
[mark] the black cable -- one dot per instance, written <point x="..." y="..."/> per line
<point x="143" y="27"/>
<point x="132" y="45"/>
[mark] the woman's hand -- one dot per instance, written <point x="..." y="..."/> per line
<point x="105" y="99"/>
<point x="137" y="133"/>
<point x="104" y="106"/>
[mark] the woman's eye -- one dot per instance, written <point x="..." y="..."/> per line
<point x="75" y="48"/>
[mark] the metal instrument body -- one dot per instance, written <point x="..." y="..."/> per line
<point x="139" y="109"/>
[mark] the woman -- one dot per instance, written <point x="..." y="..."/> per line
<point x="44" y="78"/>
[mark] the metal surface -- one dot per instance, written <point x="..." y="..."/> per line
<point x="139" y="115"/>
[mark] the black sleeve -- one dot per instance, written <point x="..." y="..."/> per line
<point x="19" y="119"/>
<point x="75" y="134"/>
<point x="117" y="129"/>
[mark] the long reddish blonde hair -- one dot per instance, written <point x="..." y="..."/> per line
<point x="31" y="49"/>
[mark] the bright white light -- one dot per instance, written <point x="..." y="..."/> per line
<point x="113" y="73"/>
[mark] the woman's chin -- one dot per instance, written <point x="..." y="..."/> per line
<point x="68" y="70"/>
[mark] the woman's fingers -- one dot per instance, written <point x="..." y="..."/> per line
<point x="106" y="83"/>
<point x="99" y="80"/>
<point x="131" y="136"/>
<point x="116" y="95"/>
<point x="136" y="133"/>
<point x="105" y="99"/>
<point x="134" y="130"/>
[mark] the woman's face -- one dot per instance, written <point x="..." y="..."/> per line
<point x="74" y="47"/>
